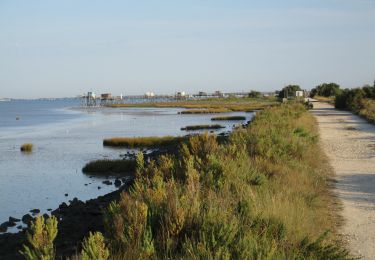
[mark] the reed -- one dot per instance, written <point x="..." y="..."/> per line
<point x="205" y="111"/>
<point x="27" y="147"/>
<point x="229" y="118"/>
<point x="201" y="127"/>
<point x="143" y="142"/>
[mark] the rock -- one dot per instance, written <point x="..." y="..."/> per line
<point x="85" y="184"/>
<point x="99" y="187"/>
<point x="11" y="219"/>
<point x="107" y="182"/>
<point x="63" y="205"/>
<point x="19" y="227"/>
<point x="27" y="219"/>
<point x="35" y="211"/>
<point x="49" y="209"/>
<point x="45" y="216"/>
<point x="10" y="224"/>
<point x="4" y="226"/>
<point x="117" y="183"/>
<point x="66" y="194"/>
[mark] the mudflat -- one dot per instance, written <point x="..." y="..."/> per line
<point x="349" y="142"/>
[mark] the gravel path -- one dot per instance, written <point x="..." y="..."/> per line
<point x="349" y="142"/>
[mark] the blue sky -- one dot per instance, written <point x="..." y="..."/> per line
<point x="65" y="48"/>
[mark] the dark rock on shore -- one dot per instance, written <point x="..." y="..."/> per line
<point x="107" y="182"/>
<point x="117" y="183"/>
<point x="11" y="219"/>
<point x="35" y="211"/>
<point x="27" y="219"/>
<point x="4" y="227"/>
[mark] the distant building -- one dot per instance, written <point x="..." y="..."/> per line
<point x="218" y="93"/>
<point x="149" y="94"/>
<point x="181" y="95"/>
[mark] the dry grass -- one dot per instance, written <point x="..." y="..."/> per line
<point x="229" y="118"/>
<point x="141" y="142"/>
<point x="27" y="147"/>
<point x="201" y="127"/>
<point x="368" y="110"/>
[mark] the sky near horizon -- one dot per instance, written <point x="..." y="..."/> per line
<point x="65" y="48"/>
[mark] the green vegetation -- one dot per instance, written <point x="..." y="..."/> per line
<point x="215" y="105"/>
<point x="116" y="167"/>
<point x="27" y="147"/>
<point x="325" y="90"/>
<point x="140" y="142"/>
<point x="40" y="239"/>
<point x="205" y="111"/>
<point x="358" y="100"/>
<point x="255" y="94"/>
<point x="201" y="127"/>
<point x="289" y="91"/>
<point x="261" y="195"/>
<point x="228" y="118"/>
<point x="94" y="248"/>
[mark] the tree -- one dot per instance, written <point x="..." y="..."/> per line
<point x="289" y="90"/>
<point x="326" y="90"/>
<point x="255" y="94"/>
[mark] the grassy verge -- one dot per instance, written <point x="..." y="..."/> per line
<point x="367" y="110"/>
<point x="262" y="195"/>
<point x="201" y="127"/>
<point x="108" y="167"/>
<point x="27" y="147"/>
<point x="228" y="118"/>
<point x="143" y="142"/>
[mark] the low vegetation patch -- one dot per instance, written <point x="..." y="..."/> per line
<point x="142" y="142"/>
<point x="218" y="104"/>
<point x="229" y="118"/>
<point x="205" y="111"/>
<point x="201" y="127"/>
<point x="27" y="147"/>
<point x="109" y="167"/>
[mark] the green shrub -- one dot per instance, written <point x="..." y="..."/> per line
<point x="40" y="239"/>
<point x="228" y="118"/>
<point x="94" y="247"/>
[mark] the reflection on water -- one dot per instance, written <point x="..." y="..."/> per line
<point x="42" y="178"/>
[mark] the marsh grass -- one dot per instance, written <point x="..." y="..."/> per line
<point x="367" y="110"/>
<point x="142" y="142"/>
<point x="229" y="118"/>
<point x="205" y="111"/>
<point x="201" y="127"/>
<point x="222" y="104"/>
<point x="27" y="147"/>
<point x="110" y="167"/>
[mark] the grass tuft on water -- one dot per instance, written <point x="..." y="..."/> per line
<point x="27" y="147"/>
<point x="228" y="118"/>
<point x="108" y="167"/>
<point x="142" y="142"/>
<point x="201" y="127"/>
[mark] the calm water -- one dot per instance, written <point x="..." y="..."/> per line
<point x="65" y="138"/>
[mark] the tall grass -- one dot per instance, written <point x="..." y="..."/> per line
<point x="262" y="195"/>
<point x="139" y="142"/>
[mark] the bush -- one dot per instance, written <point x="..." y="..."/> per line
<point x="325" y="90"/>
<point x="27" y="147"/>
<point x="94" y="247"/>
<point x="40" y="238"/>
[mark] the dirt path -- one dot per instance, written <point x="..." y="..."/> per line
<point x="349" y="142"/>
